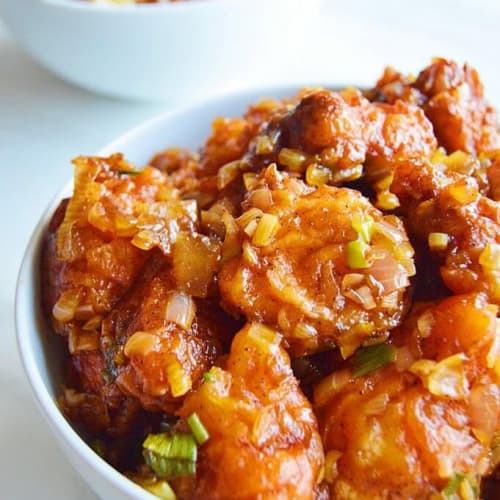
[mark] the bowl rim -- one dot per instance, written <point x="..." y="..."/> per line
<point x="27" y="282"/>
<point x="134" y="8"/>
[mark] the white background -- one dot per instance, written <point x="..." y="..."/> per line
<point x="44" y="123"/>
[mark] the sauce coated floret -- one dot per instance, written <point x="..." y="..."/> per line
<point x="453" y="99"/>
<point x="358" y="234"/>
<point x="321" y="264"/>
<point x="264" y="441"/>
<point x="407" y="430"/>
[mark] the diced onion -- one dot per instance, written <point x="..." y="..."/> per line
<point x="65" y="308"/>
<point x="227" y="174"/>
<point x="141" y="344"/>
<point x="362" y="296"/>
<point x="181" y="310"/>
<point x="263" y="145"/>
<point x="317" y="175"/>
<point x="445" y="378"/>
<point x="490" y="257"/>
<point x="438" y="241"/>
<point x="293" y="159"/>
<point x="178" y="379"/>
<point x="266" y="230"/>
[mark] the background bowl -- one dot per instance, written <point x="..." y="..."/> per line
<point x="42" y="351"/>
<point x="170" y="52"/>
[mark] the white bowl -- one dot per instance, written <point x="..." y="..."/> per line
<point x="174" y="51"/>
<point x="42" y="351"/>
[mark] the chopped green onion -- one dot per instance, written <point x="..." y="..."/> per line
<point x="197" y="428"/>
<point x="369" y="359"/>
<point x="451" y="488"/>
<point x="160" y="489"/>
<point x="363" y="225"/>
<point x="356" y="251"/>
<point x="129" y="172"/>
<point x="171" y="456"/>
<point x="208" y="377"/>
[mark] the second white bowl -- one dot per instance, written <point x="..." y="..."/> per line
<point x="172" y="52"/>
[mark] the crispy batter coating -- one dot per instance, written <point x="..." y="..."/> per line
<point x="298" y="270"/>
<point x="404" y="430"/>
<point x="297" y="216"/>
<point x="450" y="205"/>
<point x="263" y="440"/>
<point x="152" y="357"/>
<point x="94" y="253"/>
<point x="453" y="99"/>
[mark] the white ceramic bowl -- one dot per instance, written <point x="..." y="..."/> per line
<point x="41" y="350"/>
<point x="172" y="51"/>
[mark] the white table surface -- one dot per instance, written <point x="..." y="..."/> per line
<point x="44" y="123"/>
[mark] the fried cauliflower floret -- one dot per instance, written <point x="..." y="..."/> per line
<point x="96" y="250"/>
<point x="263" y="440"/>
<point x="334" y="138"/>
<point x="461" y="227"/>
<point x="320" y="264"/>
<point x="159" y="341"/>
<point x="406" y="430"/>
<point x="453" y="100"/>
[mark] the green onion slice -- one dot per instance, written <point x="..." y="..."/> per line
<point x="208" y="377"/>
<point x="369" y="359"/>
<point x="197" y="428"/>
<point x="129" y="172"/>
<point x="451" y="488"/>
<point x="171" y="456"/>
<point x="356" y="251"/>
<point x="363" y="225"/>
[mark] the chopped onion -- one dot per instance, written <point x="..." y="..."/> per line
<point x="390" y="273"/>
<point x="228" y="173"/>
<point x="141" y="344"/>
<point x="484" y="410"/>
<point x="65" y="308"/>
<point x="263" y="145"/>
<point x="404" y="359"/>
<point x="293" y="159"/>
<point x="261" y="198"/>
<point x="445" y="378"/>
<point x="438" y="241"/>
<point x="181" y="310"/>
<point x="490" y="257"/>
<point x="362" y="296"/>
<point x="317" y="175"/>
<point x="178" y="378"/>
<point x="266" y="230"/>
<point x="350" y="280"/>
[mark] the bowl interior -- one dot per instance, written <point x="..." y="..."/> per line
<point x="42" y="351"/>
